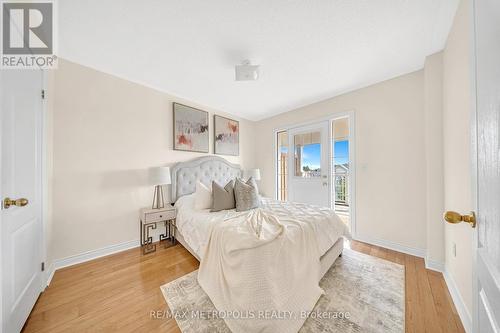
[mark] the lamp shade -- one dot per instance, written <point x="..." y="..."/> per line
<point x="159" y="176"/>
<point x="254" y="173"/>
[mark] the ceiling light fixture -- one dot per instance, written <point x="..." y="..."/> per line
<point x="246" y="71"/>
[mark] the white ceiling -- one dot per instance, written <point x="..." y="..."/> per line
<point x="309" y="50"/>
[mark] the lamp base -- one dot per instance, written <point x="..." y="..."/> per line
<point x="158" y="201"/>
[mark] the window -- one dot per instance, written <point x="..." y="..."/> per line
<point x="282" y="158"/>
<point x="307" y="154"/>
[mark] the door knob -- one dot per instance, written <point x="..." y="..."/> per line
<point x="7" y="202"/>
<point x="454" y="217"/>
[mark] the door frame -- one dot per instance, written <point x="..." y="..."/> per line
<point x="44" y="132"/>
<point x="474" y="162"/>
<point x="46" y="171"/>
<point x="1" y="205"/>
<point x="350" y="114"/>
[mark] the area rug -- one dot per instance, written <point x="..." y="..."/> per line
<point x="362" y="294"/>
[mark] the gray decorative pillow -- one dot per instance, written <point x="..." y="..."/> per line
<point x="246" y="195"/>
<point x="223" y="197"/>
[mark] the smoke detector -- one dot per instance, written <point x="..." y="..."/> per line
<point x="246" y="71"/>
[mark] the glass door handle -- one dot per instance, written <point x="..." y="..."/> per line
<point x="325" y="184"/>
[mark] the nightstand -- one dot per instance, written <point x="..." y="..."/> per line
<point x="149" y="218"/>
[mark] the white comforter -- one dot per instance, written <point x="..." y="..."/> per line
<point x="261" y="268"/>
<point x="263" y="265"/>
<point x="195" y="225"/>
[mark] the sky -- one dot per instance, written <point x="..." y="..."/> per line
<point x="341" y="152"/>
<point x="311" y="154"/>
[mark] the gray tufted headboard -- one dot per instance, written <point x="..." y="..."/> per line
<point x="205" y="169"/>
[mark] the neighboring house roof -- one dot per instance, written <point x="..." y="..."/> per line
<point x="341" y="168"/>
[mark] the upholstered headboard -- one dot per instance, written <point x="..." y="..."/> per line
<point x="205" y="169"/>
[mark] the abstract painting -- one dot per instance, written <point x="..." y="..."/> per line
<point x="190" y="129"/>
<point x="226" y="136"/>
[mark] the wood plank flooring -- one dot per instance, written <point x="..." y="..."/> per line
<point x="118" y="293"/>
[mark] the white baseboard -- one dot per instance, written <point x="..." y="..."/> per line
<point x="393" y="246"/>
<point x="49" y="274"/>
<point x="464" y="314"/>
<point x="87" y="256"/>
<point x="434" y="265"/>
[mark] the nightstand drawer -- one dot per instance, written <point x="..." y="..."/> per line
<point x="160" y="216"/>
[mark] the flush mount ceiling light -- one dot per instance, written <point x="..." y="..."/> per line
<point x="246" y="71"/>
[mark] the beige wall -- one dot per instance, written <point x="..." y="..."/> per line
<point x="106" y="133"/>
<point x="389" y="156"/>
<point x="457" y="149"/>
<point x="433" y="134"/>
<point x="48" y="172"/>
<point x="415" y="132"/>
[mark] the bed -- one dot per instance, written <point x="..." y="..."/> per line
<point x="310" y="240"/>
<point x="192" y="226"/>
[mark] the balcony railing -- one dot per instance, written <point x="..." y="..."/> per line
<point x="341" y="193"/>
<point x="341" y="182"/>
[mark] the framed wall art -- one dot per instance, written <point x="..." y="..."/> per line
<point x="190" y="129"/>
<point x="226" y="136"/>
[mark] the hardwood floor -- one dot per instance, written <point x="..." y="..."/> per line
<point x="118" y="293"/>
<point x="429" y="307"/>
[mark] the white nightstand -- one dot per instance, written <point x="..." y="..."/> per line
<point x="149" y="218"/>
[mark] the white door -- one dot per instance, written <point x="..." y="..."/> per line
<point x="20" y="221"/>
<point x="487" y="293"/>
<point x="309" y="164"/>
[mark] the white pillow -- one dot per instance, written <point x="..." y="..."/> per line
<point x="202" y="196"/>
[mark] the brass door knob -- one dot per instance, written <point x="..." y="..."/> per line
<point x="454" y="217"/>
<point x="7" y="202"/>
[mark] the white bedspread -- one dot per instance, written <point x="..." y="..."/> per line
<point x="195" y="225"/>
<point x="261" y="268"/>
<point x="262" y="264"/>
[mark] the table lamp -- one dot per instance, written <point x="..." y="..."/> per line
<point x="254" y="173"/>
<point x="158" y="177"/>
